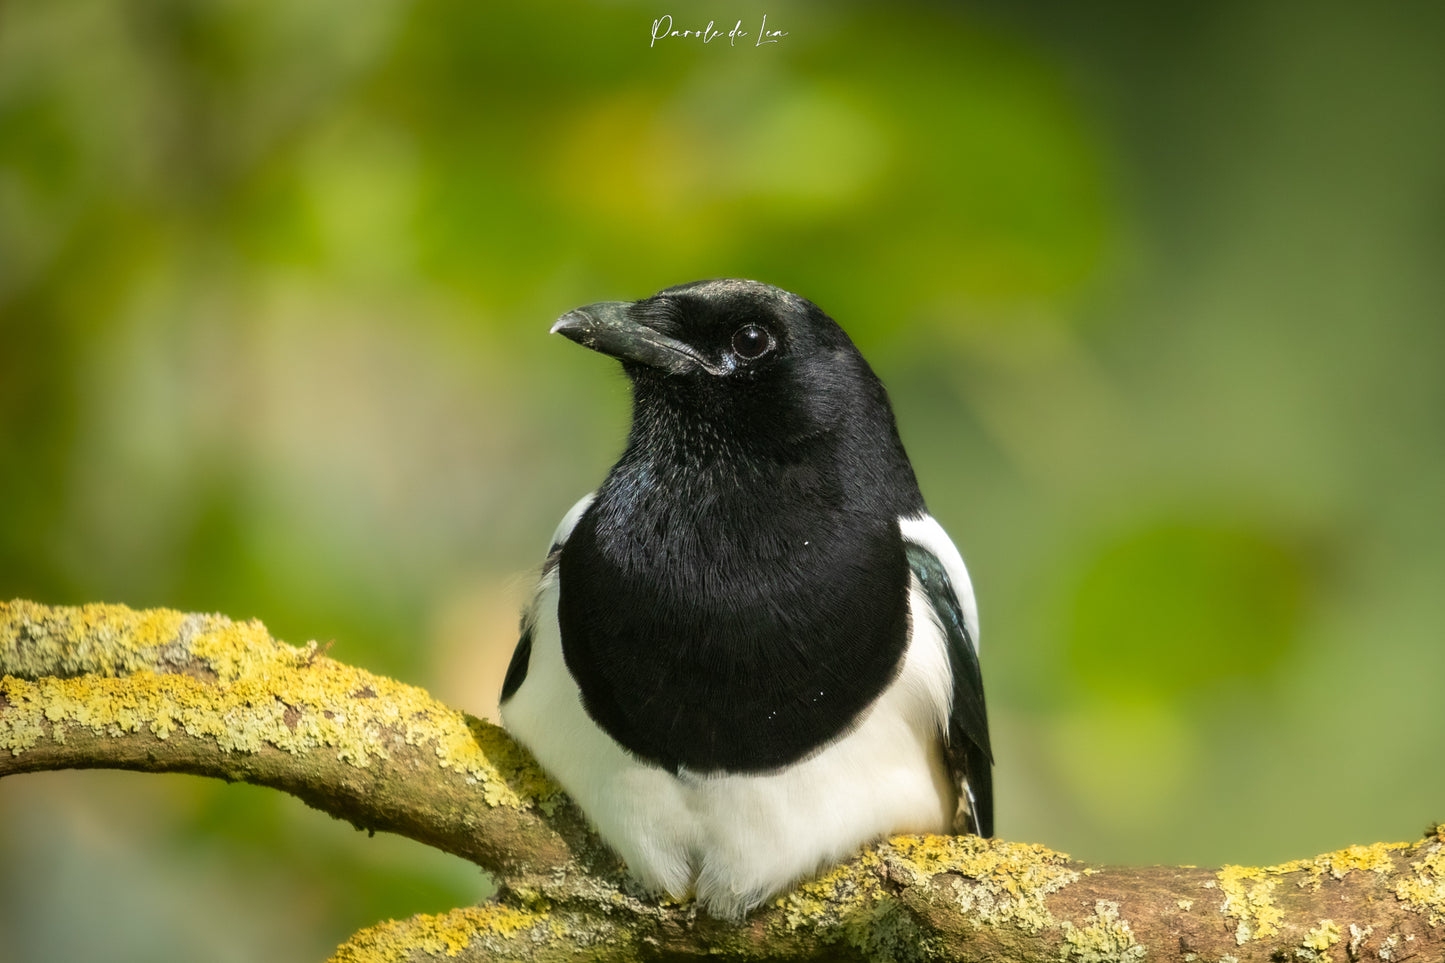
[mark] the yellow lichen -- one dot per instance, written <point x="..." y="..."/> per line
<point x="1105" y="938"/>
<point x="1425" y="891"/>
<point x="819" y="900"/>
<point x="848" y="904"/>
<point x="37" y="640"/>
<point x="443" y="935"/>
<point x="1317" y="942"/>
<point x="1249" y="891"/>
<point x="238" y="650"/>
<point x="234" y="684"/>
<point x="993" y="880"/>
<point x="1374" y="858"/>
<point x="1252" y="905"/>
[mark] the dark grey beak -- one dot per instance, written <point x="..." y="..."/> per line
<point x="609" y="328"/>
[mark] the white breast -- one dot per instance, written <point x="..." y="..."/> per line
<point x="736" y="840"/>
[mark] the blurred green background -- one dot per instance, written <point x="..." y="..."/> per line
<point x="1156" y="288"/>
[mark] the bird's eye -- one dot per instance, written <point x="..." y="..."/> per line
<point x="751" y="341"/>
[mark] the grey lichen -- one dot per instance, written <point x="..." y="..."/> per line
<point x="991" y="881"/>
<point x="1105" y="938"/>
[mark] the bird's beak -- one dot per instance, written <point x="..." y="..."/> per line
<point x="608" y="327"/>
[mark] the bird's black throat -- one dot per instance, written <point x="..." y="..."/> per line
<point x="733" y="603"/>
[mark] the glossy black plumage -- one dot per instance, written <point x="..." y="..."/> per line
<point x="740" y="591"/>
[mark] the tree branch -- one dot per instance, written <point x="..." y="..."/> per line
<point x="102" y="686"/>
<point x="161" y="691"/>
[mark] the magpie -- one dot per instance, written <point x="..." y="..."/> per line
<point x="751" y="650"/>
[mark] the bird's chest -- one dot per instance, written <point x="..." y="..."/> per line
<point x="730" y="635"/>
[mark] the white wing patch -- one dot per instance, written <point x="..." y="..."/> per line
<point x="573" y="516"/>
<point x="925" y="532"/>
<point x="965" y="725"/>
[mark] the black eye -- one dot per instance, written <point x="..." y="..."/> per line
<point x="751" y="341"/>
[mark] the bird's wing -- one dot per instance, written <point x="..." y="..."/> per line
<point x="522" y="654"/>
<point x="940" y="571"/>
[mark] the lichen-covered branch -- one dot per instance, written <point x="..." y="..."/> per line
<point x="102" y="686"/>
<point x="161" y="691"/>
<point x="970" y="900"/>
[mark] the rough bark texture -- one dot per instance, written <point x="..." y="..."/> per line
<point x="162" y="691"/>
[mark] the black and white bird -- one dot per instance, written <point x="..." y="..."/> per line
<point x="752" y="650"/>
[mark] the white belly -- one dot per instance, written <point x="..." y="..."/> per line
<point x="735" y="840"/>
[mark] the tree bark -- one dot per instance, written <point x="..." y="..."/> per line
<point x="102" y="686"/>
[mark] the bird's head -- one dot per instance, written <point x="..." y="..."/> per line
<point x="739" y="362"/>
